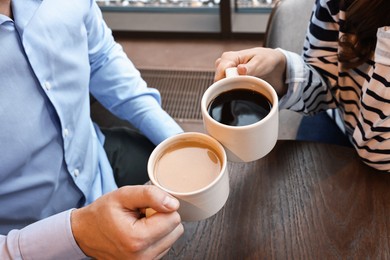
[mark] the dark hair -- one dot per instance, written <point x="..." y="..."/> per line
<point x="362" y="19"/>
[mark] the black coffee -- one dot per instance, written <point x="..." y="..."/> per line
<point x="239" y="107"/>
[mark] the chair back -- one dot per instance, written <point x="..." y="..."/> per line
<point x="286" y="29"/>
<point x="287" y="24"/>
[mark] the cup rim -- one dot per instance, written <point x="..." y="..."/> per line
<point x="215" y="85"/>
<point x="155" y="153"/>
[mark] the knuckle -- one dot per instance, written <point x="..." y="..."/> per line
<point x="122" y="191"/>
<point x="137" y="246"/>
<point x="149" y="190"/>
<point x="180" y="229"/>
<point x="227" y="54"/>
<point x="176" y="218"/>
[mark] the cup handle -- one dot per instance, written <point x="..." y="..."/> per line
<point x="149" y="212"/>
<point x="231" y="72"/>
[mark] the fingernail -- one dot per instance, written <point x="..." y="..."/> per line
<point x="170" y="202"/>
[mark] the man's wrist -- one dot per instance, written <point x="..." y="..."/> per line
<point x="50" y="238"/>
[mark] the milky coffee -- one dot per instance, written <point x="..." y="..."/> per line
<point x="187" y="166"/>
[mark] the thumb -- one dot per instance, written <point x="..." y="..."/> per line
<point x="147" y="196"/>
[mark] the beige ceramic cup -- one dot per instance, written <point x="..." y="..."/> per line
<point x="205" y="201"/>
<point x="243" y="143"/>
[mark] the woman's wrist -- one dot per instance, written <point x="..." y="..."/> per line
<point x="279" y="74"/>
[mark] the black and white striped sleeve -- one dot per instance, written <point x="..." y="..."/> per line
<point x="311" y="77"/>
<point x="371" y="136"/>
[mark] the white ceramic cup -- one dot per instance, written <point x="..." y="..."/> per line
<point x="243" y="143"/>
<point x="203" y="202"/>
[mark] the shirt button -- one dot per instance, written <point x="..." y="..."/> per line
<point x="47" y="85"/>
<point x="66" y="132"/>
<point x="76" y="173"/>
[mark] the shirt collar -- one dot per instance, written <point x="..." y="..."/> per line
<point x="4" y="19"/>
<point x="23" y="11"/>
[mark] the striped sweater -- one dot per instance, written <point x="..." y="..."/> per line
<point x="316" y="82"/>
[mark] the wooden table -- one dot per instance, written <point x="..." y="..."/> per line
<point x="302" y="201"/>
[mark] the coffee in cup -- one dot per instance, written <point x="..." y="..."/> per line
<point x="241" y="112"/>
<point x="187" y="166"/>
<point x="193" y="168"/>
<point x="239" y="107"/>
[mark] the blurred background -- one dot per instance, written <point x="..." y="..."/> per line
<point x="223" y="18"/>
<point x="174" y="44"/>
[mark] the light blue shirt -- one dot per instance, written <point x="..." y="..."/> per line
<point x="53" y="54"/>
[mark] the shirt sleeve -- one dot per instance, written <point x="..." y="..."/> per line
<point x="316" y="82"/>
<point x="372" y="134"/>
<point x="50" y="238"/>
<point x="119" y="87"/>
<point x="311" y="77"/>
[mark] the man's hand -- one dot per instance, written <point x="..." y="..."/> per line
<point x="114" y="227"/>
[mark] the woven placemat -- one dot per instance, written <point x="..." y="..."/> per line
<point x="181" y="91"/>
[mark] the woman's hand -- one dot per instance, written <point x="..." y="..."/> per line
<point x="265" y="63"/>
